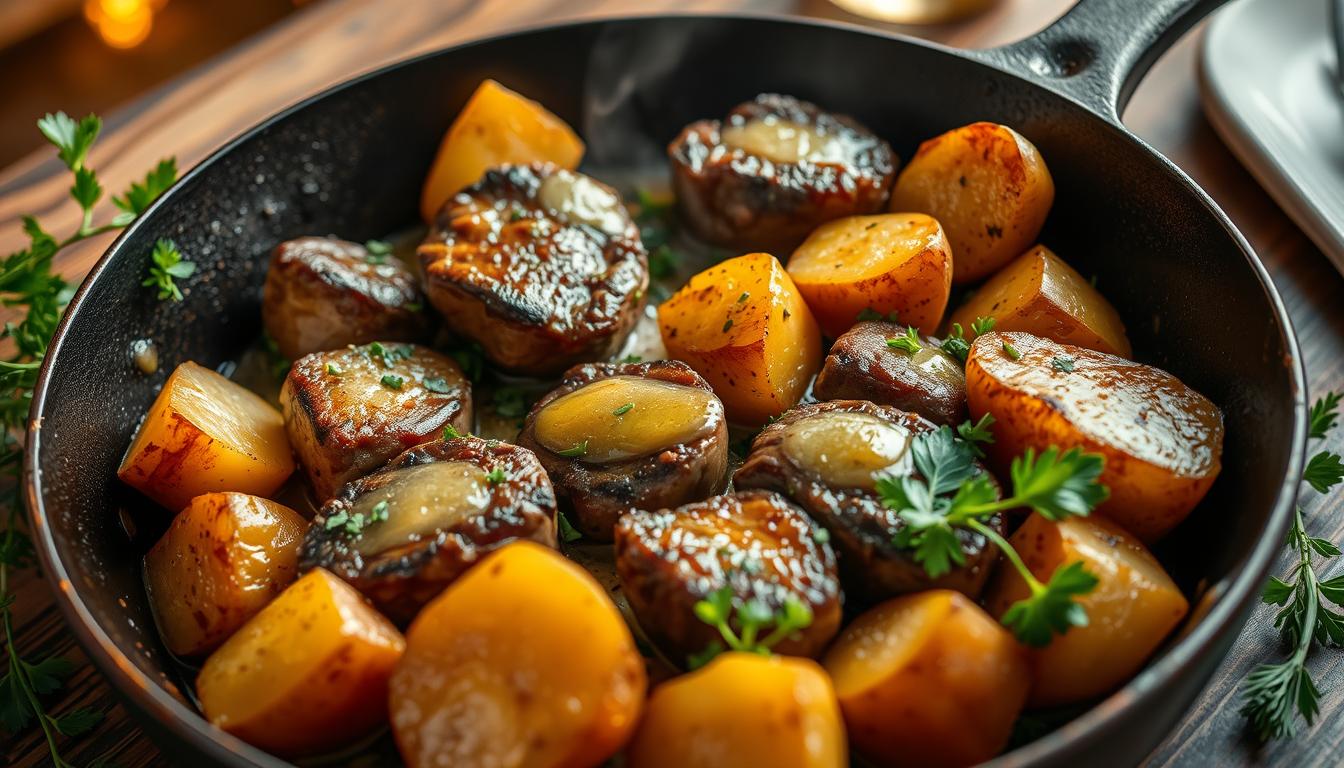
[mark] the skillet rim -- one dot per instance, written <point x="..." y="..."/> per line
<point x="1075" y="737"/>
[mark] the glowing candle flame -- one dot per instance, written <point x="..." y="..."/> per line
<point x="121" y="23"/>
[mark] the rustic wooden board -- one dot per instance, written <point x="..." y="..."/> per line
<point x="336" y="39"/>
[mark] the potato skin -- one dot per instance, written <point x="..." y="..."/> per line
<point x="223" y="559"/>
<point x="861" y="529"/>
<point x="1038" y="293"/>
<point x="598" y="494"/>
<point x="893" y="262"/>
<point x="495" y="127"/>
<point x="1162" y="441"/>
<point x="402" y="579"/>
<point x="345" y="422"/>
<point x="204" y="434"/>
<point x="744" y="327"/>
<point x="861" y="366"/>
<point x="322" y="293"/>
<point x="731" y="197"/>
<point x="306" y="675"/>
<point x="989" y="188"/>
<point x="524" y="661"/>
<point x="671" y="559"/>
<point x="1132" y="610"/>
<point x="742" y="710"/>
<point x="539" y="289"/>
<point x="929" y="681"/>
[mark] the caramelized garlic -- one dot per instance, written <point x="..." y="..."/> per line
<point x="626" y="416"/>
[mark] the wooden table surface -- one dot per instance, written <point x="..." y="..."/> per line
<point x="336" y="39"/>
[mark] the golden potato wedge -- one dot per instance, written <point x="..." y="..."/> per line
<point x="203" y="434"/>
<point x="743" y="325"/>
<point x="524" y="661"/>
<point x="1162" y="441"/>
<point x="496" y="126"/>
<point x="928" y="679"/>
<point x="1132" y="610"/>
<point x="742" y="709"/>
<point x="893" y="262"/>
<point x="223" y="559"/>
<point x="1040" y="294"/>
<point x="306" y="675"/>
<point x="987" y="186"/>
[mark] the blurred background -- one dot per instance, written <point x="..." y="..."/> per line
<point x="92" y="55"/>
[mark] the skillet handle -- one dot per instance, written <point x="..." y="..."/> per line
<point x="1098" y="51"/>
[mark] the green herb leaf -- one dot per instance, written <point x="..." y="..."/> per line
<point x="579" y="449"/>
<point x="630" y="359"/>
<point x="1062" y="363"/>
<point x="956" y="345"/>
<point x="662" y="262"/>
<point x="568" y="532"/>
<point x="1036" y="619"/>
<point x="392" y="381"/>
<point x="138" y="196"/>
<point x="1324" y="413"/>
<point x="450" y="433"/>
<point x="71" y="139"/>
<point x="471" y="359"/>
<point x="336" y="521"/>
<point x="77" y="722"/>
<point x="1058" y="485"/>
<point x="727" y="324"/>
<point x="495" y="476"/>
<point x="1324" y="471"/>
<point x="389" y="355"/>
<point x="334" y="369"/>
<point x="977" y="433"/>
<point x="982" y="325"/>
<point x="624" y="409"/>
<point x="1011" y="351"/>
<point x="437" y="385"/>
<point x="868" y="314"/>
<point x="86" y="190"/>
<point x="166" y="267"/>
<point x="379" y="512"/>
<point x="378" y="247"/>
<point x="907" y="343"/>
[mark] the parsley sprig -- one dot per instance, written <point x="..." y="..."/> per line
<point x="957" y="345"/>
<point x="952" y="493"/>
<point x="165" y="267"/>
<point x="1277" y="694"/>
<point x="752" y="617"/>
<point x="907" y="342"/>
<point x="28" y="282"/>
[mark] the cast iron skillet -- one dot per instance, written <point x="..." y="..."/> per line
<point x="350" y="161"/>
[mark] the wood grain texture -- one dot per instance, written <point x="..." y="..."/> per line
<point x="336" y="39"/>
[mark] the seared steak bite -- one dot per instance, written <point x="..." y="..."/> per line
<point x="614" y="437"/>
<point x="824" y="456"/>
<point x="774" y="169"/>
<point x="541" y="266"/>
<point x="322" y="293"/>
<point x="755" y="542"/>
<point x="349" y="410"/>
<point x="407" y="531"/>
<point x="862" y="366"/>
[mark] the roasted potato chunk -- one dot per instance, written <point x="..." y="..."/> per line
<point x="497" y="126"/>
<point x="742" y="710"/>
<point x="223" y="558"/>
<point x="322" y="293"/>
<point x="863" y="366"/>
<point x="825" y="456"/>
<point x="1162" y="441"/>
<point x="755" y="542"/>
<point x="407" y="531"/>
<point x="1039" y="294"/>
<point x="743" y="326"/>
<point x="306" y="675"/>
<point x="989" y="188"/>
<point x="525" y="662"/>
<point x="542" y="267"/>
<point x="349" y="411"/>
<point x="928" y="681"/>
<point x="615" y="437"/>
<point x="893" y="262"/>
<point x="1132" y="610"/>
<point x="773" y="170"/>
<point x="203" y="434"/>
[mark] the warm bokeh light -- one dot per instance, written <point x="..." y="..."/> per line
<point x="122" y="23"/>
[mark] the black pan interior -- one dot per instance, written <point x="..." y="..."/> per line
<point x="351" y="163"/>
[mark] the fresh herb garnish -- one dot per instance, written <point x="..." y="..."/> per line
<point x="1276" y="694"/>
<point x="721" y="611"/>
<point x="727" y="324"/>
<point x="495" y="476"/>
<point x="821" y="535"/>
<point x="957" y="345"/>
<point x="953" y="493"/>
<point x="745" y="295"/>
<point x="977" y="433"/>
<point x="568" y="532"/>
<point x="1011" y="351"/>
<point x="378" y="251"/>
<point x="276" y="363"/>
<point x="166" y="265"/>
<point x="28" y="285"/>
<point x="1062" y="363"/>
<point x="662" y="262"/>
<point x="390" y="355"/>
<point x="471" y="359"/>
<point x="450" y="433"/>
<point x="908" y="342"/>
<point x="982" y="325"/>
<point x="868" y="314"/>
<point x="355" y="524"/>
<point x="334" y="369"/>
<point x="632" y="359"/>
<point x="392" y="381"/>
<point x="624" y="409"/>
<point x="437" y="385"/>
<point x="579" y="449"/>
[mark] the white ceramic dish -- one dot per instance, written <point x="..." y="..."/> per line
<point x="1266" y="71"/>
